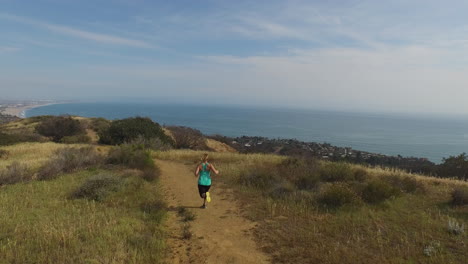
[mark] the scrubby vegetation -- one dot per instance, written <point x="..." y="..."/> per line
<point x="85" y="203"/>
<point x="187" y="138"/>
<point x="460" y="196"/>
<point x="135" y="157"/>
<point x="312" y="211"/>
<point x="86" y="211"/>
<point x="68" y="160"/>
<point x="126" y="130"/>
<point x="97" y="187"/>
<point x="14" y="173"/>
<point x="10" y="139"/>
<point x="59" y="127"/>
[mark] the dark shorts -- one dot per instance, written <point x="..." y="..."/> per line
<point x="203" y="189"/>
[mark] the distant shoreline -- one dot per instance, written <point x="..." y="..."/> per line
<point x="20" y="111"/>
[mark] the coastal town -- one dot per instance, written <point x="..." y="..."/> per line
<point x="326" y="151"/>
<point x="13" y="109"/>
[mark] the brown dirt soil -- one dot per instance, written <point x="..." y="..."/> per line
<point x="219" y="234"/>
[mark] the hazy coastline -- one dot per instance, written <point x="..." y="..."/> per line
<point x="20" y="110"/>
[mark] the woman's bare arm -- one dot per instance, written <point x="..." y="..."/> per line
<point x="214" y="169"/>
<point x="197" y="171"/>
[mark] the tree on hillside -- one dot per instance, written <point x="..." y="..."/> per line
<point x="58" y="127"/>
<point x="454" y="166"/>
<point x="188" y="138"/>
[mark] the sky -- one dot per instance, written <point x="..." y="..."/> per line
<point x="380" y="56"/>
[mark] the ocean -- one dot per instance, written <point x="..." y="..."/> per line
<point x="418" y="136"/>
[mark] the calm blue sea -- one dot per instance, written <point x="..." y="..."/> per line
<point x="429" y="137"/>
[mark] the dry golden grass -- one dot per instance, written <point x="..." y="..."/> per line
<point x="384" y="172"/>
<point x="219" y="146"/>
<point x="294" y="229"/>
<point x="194" y="156"/>
<point x="31" y="154"/>
<point x="36" y="154"/>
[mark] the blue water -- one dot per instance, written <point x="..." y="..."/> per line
<point x="429" y="137"/>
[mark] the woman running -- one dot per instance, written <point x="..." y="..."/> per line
<point x="203" y="172"/>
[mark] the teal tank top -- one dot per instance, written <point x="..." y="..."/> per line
<point x="205" y="176"/>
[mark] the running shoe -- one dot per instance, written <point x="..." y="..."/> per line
<point x="208" y="198"/>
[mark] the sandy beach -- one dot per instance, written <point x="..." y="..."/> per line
<point x="20" y="110"/>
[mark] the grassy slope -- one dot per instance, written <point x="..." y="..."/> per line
<point x="398" y="230"/>
<point x="39" y="223"/>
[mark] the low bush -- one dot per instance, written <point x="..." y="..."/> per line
<point x="10" y="139"/>
<point x="259" y="178"/>
<point x="78" y="139"/>
<point x="125" y="130"/>
<point x="377" y="190"/>
<point x="281" y="191"/>
<point x="135" y="157"/>
<point x="99" y="124"/>
<point x="460" y="196"/>
<point x="360" y="174"/>
<point x="302" y="172"/>
<point x="406" y="184"/>
<point x="132" y="156"/>
<point x="336" y="172"/>
<point x="188" y="138"/>
<point x="14" y="173"/>
<point x="150" y="143"/>
<point x="151" y="174"/>
<point x="97" y="187"/>
<point x="3" y="154"/>
<point x="337" y="195"/>
<point x="59" y="127"/>
<point x="68" y="160"/>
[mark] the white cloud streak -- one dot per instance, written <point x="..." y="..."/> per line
<point x="5" y="49"/>
<point x="78" y="33"/>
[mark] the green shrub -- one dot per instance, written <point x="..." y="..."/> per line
<point x="97" y="187"/>
<point x="307" y="182"/>
<point x="132" y="156"/>
<point x="59" y="127"/>
<point x="377" y="191"/>
<point x="336" y="172"/>
<point x="281" y="191"/>
<point x="406" y="184"/>
<point x="3" y="154"/>
<point x="150" y="143"/>
<point x="360" y="174"/>
<point x="10" y="139"/>
<point x="78" y="139"/>
<point x="68" y="160"/>
<point x="14" y="173"/>
<point x="460" y="196"/>
<point x="125" y="130"/>
<point x="337" y="195"/>
<point x="135" y="157"/>
<point x="99" y="124"/>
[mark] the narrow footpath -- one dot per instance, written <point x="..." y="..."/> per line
<point x="219" y="234"/>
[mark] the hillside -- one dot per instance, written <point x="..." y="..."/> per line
<point x="89" y="202"/>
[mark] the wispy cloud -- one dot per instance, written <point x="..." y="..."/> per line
<point x="78" y="33"/>
<point x="5" y="49"/>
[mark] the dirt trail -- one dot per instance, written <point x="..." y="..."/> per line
<point x="219" y="233"/>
